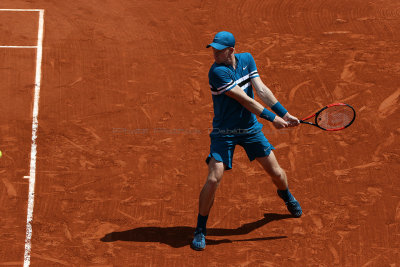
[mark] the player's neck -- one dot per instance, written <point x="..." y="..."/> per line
<point x="232" y="61"/>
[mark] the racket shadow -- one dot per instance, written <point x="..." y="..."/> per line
<point x="180" y="236"/>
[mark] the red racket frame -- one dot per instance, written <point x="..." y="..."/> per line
<point x="316" y="116"/>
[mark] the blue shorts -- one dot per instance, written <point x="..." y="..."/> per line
<point x="222" y="148"/>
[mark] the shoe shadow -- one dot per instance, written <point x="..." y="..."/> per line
<point x="180" y="236"/>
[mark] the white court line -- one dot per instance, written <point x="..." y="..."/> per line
<point x="22" y="10"/>
<point x="35" y="124"/>
<point x="17" y="46"/>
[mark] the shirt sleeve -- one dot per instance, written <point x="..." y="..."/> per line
<point x="253" y="73"/>
<point x="220" y="81"/>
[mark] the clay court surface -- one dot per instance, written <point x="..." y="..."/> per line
<point x="124" y="113"/>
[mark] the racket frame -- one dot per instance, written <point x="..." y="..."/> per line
<point x="317" y="113"/>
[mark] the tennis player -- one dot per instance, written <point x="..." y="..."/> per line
<point x="232" y="78"/>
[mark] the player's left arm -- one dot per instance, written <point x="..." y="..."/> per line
<point x="270" y="100"/>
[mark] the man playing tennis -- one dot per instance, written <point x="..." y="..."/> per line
<point x="231" y="78"/>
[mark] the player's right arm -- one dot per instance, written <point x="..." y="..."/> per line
<point x="253" y="106"/>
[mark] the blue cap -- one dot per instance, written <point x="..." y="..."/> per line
<point x="223" y="40"/>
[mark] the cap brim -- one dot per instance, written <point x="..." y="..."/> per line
<point x="217" y="46"/>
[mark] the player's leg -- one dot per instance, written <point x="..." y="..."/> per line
<point x="219" y="159"/>
<point x="207" y="194"/>
<point x="206" y="200"/>
<point x="271" y="166"/>
<point x="278" y="175"/>
<point x="258" y="147"/>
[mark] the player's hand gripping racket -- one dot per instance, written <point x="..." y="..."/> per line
<point x="333" y="117"/>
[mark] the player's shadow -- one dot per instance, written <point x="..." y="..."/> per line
<point x="180" y="236"/>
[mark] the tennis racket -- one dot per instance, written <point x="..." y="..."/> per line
<point x="333" y="117"/>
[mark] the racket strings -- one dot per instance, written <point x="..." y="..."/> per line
<point x="335" y="117"/>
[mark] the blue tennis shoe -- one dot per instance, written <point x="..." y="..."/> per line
<point x="199" y="241"/>
<point x="292" y="204"/>
<point x="294" y="208"/>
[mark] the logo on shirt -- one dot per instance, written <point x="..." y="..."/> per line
<point x="244" y="68"/>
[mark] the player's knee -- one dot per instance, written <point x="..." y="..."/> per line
<point x="215" y="174"/>
<point x="213" y="180"/>
<point x="278" y="173"/>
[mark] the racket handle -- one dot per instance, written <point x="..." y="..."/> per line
<point x="305" y="122"/>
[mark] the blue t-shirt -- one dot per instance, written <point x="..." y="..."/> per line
<point x="230" y="117"/>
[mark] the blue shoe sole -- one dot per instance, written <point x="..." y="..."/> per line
<point x="197" y="248"/>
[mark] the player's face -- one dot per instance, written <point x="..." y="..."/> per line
<point x="222" y="56"/>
